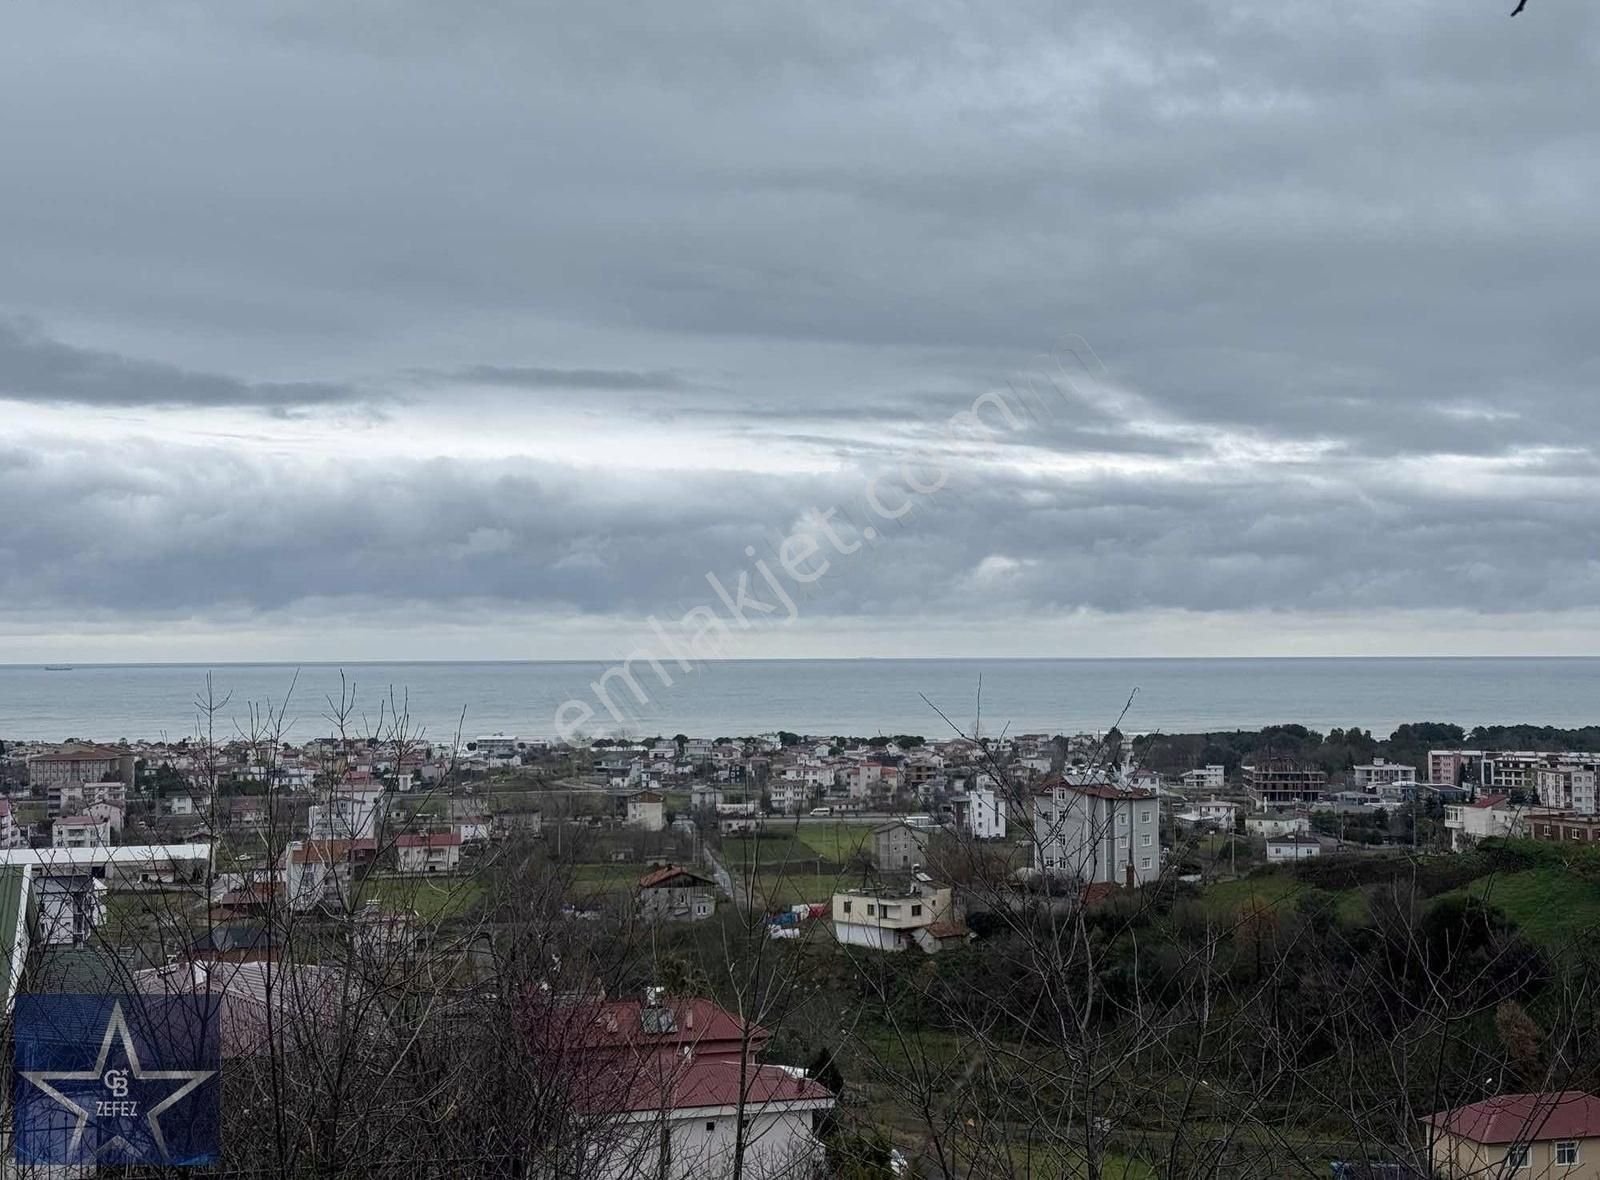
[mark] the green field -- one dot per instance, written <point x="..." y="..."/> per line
<point x="1550" y="905"/>
<point x="431" y="897"/>
<point x="837" y="842"/>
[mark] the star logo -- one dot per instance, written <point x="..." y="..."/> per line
<point x="119" y="1097"/>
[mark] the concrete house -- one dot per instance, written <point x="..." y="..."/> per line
<point x="899" y="845"/>
<point x="891" y="919"/>
<point x="428" y="852"/>
<point x="1533" y="1136"/>
<point x="673" y="893"/>
<point x="647" y="810"/>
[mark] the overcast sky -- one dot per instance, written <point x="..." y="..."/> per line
<point x="489" y="330"/>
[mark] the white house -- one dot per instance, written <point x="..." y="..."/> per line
<point x="428" y="852"/>
<point x="1297" y="846"/>
<point x="1096" y="832"/>
<point x="1271" y="824"/>
<point x="11" y="836"/>
<point x="347" y="813"/>
<point x="79" y="831"/>
<point x="1486" y="816"/>
<point x="647" y="810"/>
<point x="980" y="813"/>
<point x="110" y="814"/>
<point x="1568" y="787"/>
<point x="890" y="919"/>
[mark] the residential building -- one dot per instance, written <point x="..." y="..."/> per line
<point x="1537" y="1136"/>
<point x="1377" y="773"/>
<point x="898" y="845"/>
<point x="890" y="919"/>
<point x="70" y="798"/>
<point x="647" y="810"/>
<point x="428" y="852"/>
<point x="1454" y="768"/>
<point x="980" y="813"/>
<point x="1295" y="846"/>
<point x="110" y="814"/>
<point x="1556" y="827"/>
<point x="72" y="906"/>
<point x="1569" y="786"/>
<point x="669" y="1081"/>
<point x="1211" y="777"/>
<point x="348" y="813"/>
<point x="705" y="796"/>
<point x="1279" y="782"/>
<point x="81" y="763"/>
<point x="11" y="833"/>
<point x="1485" y="816"/>
<point x="318" y="872"/>
<point x="1273" y="824"/>
<point x="1096" y="832"/>
<point x="789" y="796"/>
<point x="673" y="893"/>
<point x="1216" y="811"/>
<point x="79" y="831"/>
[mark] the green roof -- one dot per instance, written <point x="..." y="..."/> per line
<point x="14" y="881"/>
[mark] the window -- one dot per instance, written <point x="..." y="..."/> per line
<point x="1567" y="1153"/>
<point x="916" y="911"/>
<point x="871" y="909"/>
<point x="1144" y="817"/>
<point x="711" y="1125"/>
<point x="1144" y="862"/>
<point x="1517" y="1156"/>
<point x="1144" y="840"/>
<point x="847" y="907"/>
<point x="1122" y="819"/>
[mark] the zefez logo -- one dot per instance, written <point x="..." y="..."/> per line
<point x="117" y="1080"/>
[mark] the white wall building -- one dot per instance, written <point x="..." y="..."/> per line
<point x="1298" y="846"/>
<point x="1212" y="777"/>
<point x="1096" y="832"/>
<point x="1569" y="787"/>
<point x="1379" y="773"/>
<point x="79" y="831"/>
<point x="1272" y="824"/>
<point x="1485" y="817"/>
<point x="889" y="919"/>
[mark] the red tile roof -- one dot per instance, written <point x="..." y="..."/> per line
<point x="1093" y="790"/>
<point x="669" y="875"/>
<point x="1489" y="800"/>
<point x="1524" y="1118"/>
<point x="698" y="1084"/>
<point x="332" y="850"/>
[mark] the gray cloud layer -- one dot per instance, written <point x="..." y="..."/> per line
<point x="1342" y="257"/>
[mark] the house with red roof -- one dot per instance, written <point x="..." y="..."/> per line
<point x="673" y="1087"/>
<point x="1485" y="816"/>
<point x="1522" y="1136"/>
<point x="428" y="852"/>
<point x="672" y="893"/>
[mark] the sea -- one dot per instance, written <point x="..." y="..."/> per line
<point x="929" y="697"/>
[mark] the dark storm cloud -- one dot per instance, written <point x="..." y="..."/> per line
<point x="36" y="368"/>
<point x="1341" y="259"/>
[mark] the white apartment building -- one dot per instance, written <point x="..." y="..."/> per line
<point x="79" y="831"/>
<point x="1568" y="787"/>
<point x="1096" y="832"/>
<point x="1380" y="773"/>
<point x="1452" y="768"/>
<point x="1271" y="824"/>
<point x="347" y="813"/>
<point x="1212" y="777"/>
<point x="980" y="813"/>
<point x="11" y="836"/>
<point x="889" y="919"/>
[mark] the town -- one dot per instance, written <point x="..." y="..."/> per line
<point x="242" y="866"/>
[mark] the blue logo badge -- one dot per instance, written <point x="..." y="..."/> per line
<point x="117" y="1080"/>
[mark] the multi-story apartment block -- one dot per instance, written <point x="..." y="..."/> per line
<point x="1212" y="777"/>
<point x="1380" y="773"/>
<point x="1569" y="786"/>
<point x="77" y="763"/>
<point x="1454" y="768"/>
<point x="1096" y="832"/>
<point x="79" y="831"/>
<point x="1281" y="783"/>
